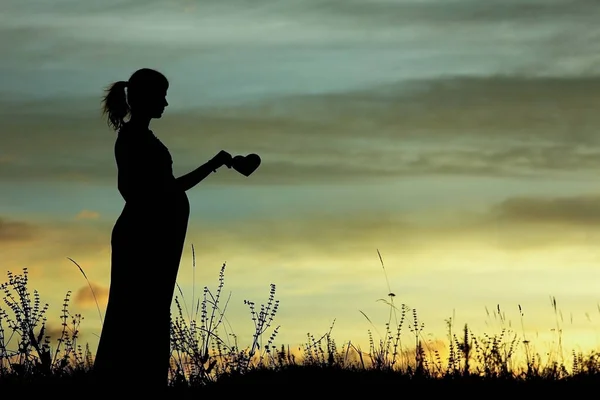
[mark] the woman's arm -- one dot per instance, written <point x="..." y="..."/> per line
<point x="191" y="179"/>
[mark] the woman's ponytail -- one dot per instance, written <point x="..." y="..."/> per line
<point x="115" y="104"/>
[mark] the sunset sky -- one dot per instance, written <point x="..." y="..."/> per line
<point x="458" y="137"/>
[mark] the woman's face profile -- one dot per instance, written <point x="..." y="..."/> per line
<point x="151" y="104"/>
<point x="158" y="103"/>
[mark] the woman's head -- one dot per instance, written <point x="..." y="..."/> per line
<point x="146" y="96"/>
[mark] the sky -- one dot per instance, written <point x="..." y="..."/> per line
<point x="457" y="137"/>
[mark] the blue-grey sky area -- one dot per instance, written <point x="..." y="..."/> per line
<point x="458" y="137"/>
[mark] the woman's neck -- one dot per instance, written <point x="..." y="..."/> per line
<point x="140" y="123"/>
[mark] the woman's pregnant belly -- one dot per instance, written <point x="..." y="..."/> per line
<point x="167" y="214"/>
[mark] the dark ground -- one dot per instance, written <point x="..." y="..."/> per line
<point x="318" y="383"/>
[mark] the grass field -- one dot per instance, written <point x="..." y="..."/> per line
<point x="203" y="362"/>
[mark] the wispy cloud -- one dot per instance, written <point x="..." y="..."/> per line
<point x="87" y="214"/>
<point x="315" y="256"/>
<point x="85" y="298"/>
<point x="518" y="223"/>
<point x="582" y="211"/>
<point x="296" y="46"/>
<point x="43" y="246"/>
<point x="16" y="231"/>
<point x="499" y="126"/>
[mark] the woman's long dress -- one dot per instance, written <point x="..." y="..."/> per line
<point x="147" y="244"/>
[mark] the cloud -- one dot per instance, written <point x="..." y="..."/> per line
<point x="87" y="214"/>
<point x="343" y="237"/>
<point x="520" y="223"/>
<point x="44" y="251"/>
<point x="274" y="17"/>
<point x="85" y="298"/>
<point x="439" y="36"/>
<point x="501" y="126"/>
<point x="55" y="331"/>
<point x="334" y="236"/>
<point x="5" y="159"/>
<point x="16" y="231"/>
<point x="583" y="211"/>
<point x="314" y="256"/>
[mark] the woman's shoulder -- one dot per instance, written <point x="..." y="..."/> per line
<point x="126" y="133"/>
<point x="126" y="138"/>
<point x="134" y="140"/>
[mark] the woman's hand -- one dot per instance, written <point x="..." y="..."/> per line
<point x="222" y="158"/>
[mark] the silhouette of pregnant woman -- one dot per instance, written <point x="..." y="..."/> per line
<point x="148" y="237"/>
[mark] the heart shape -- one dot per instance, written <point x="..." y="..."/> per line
<point x="246" y="165"/>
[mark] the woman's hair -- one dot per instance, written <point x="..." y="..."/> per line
<point x="117" y="103"/>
